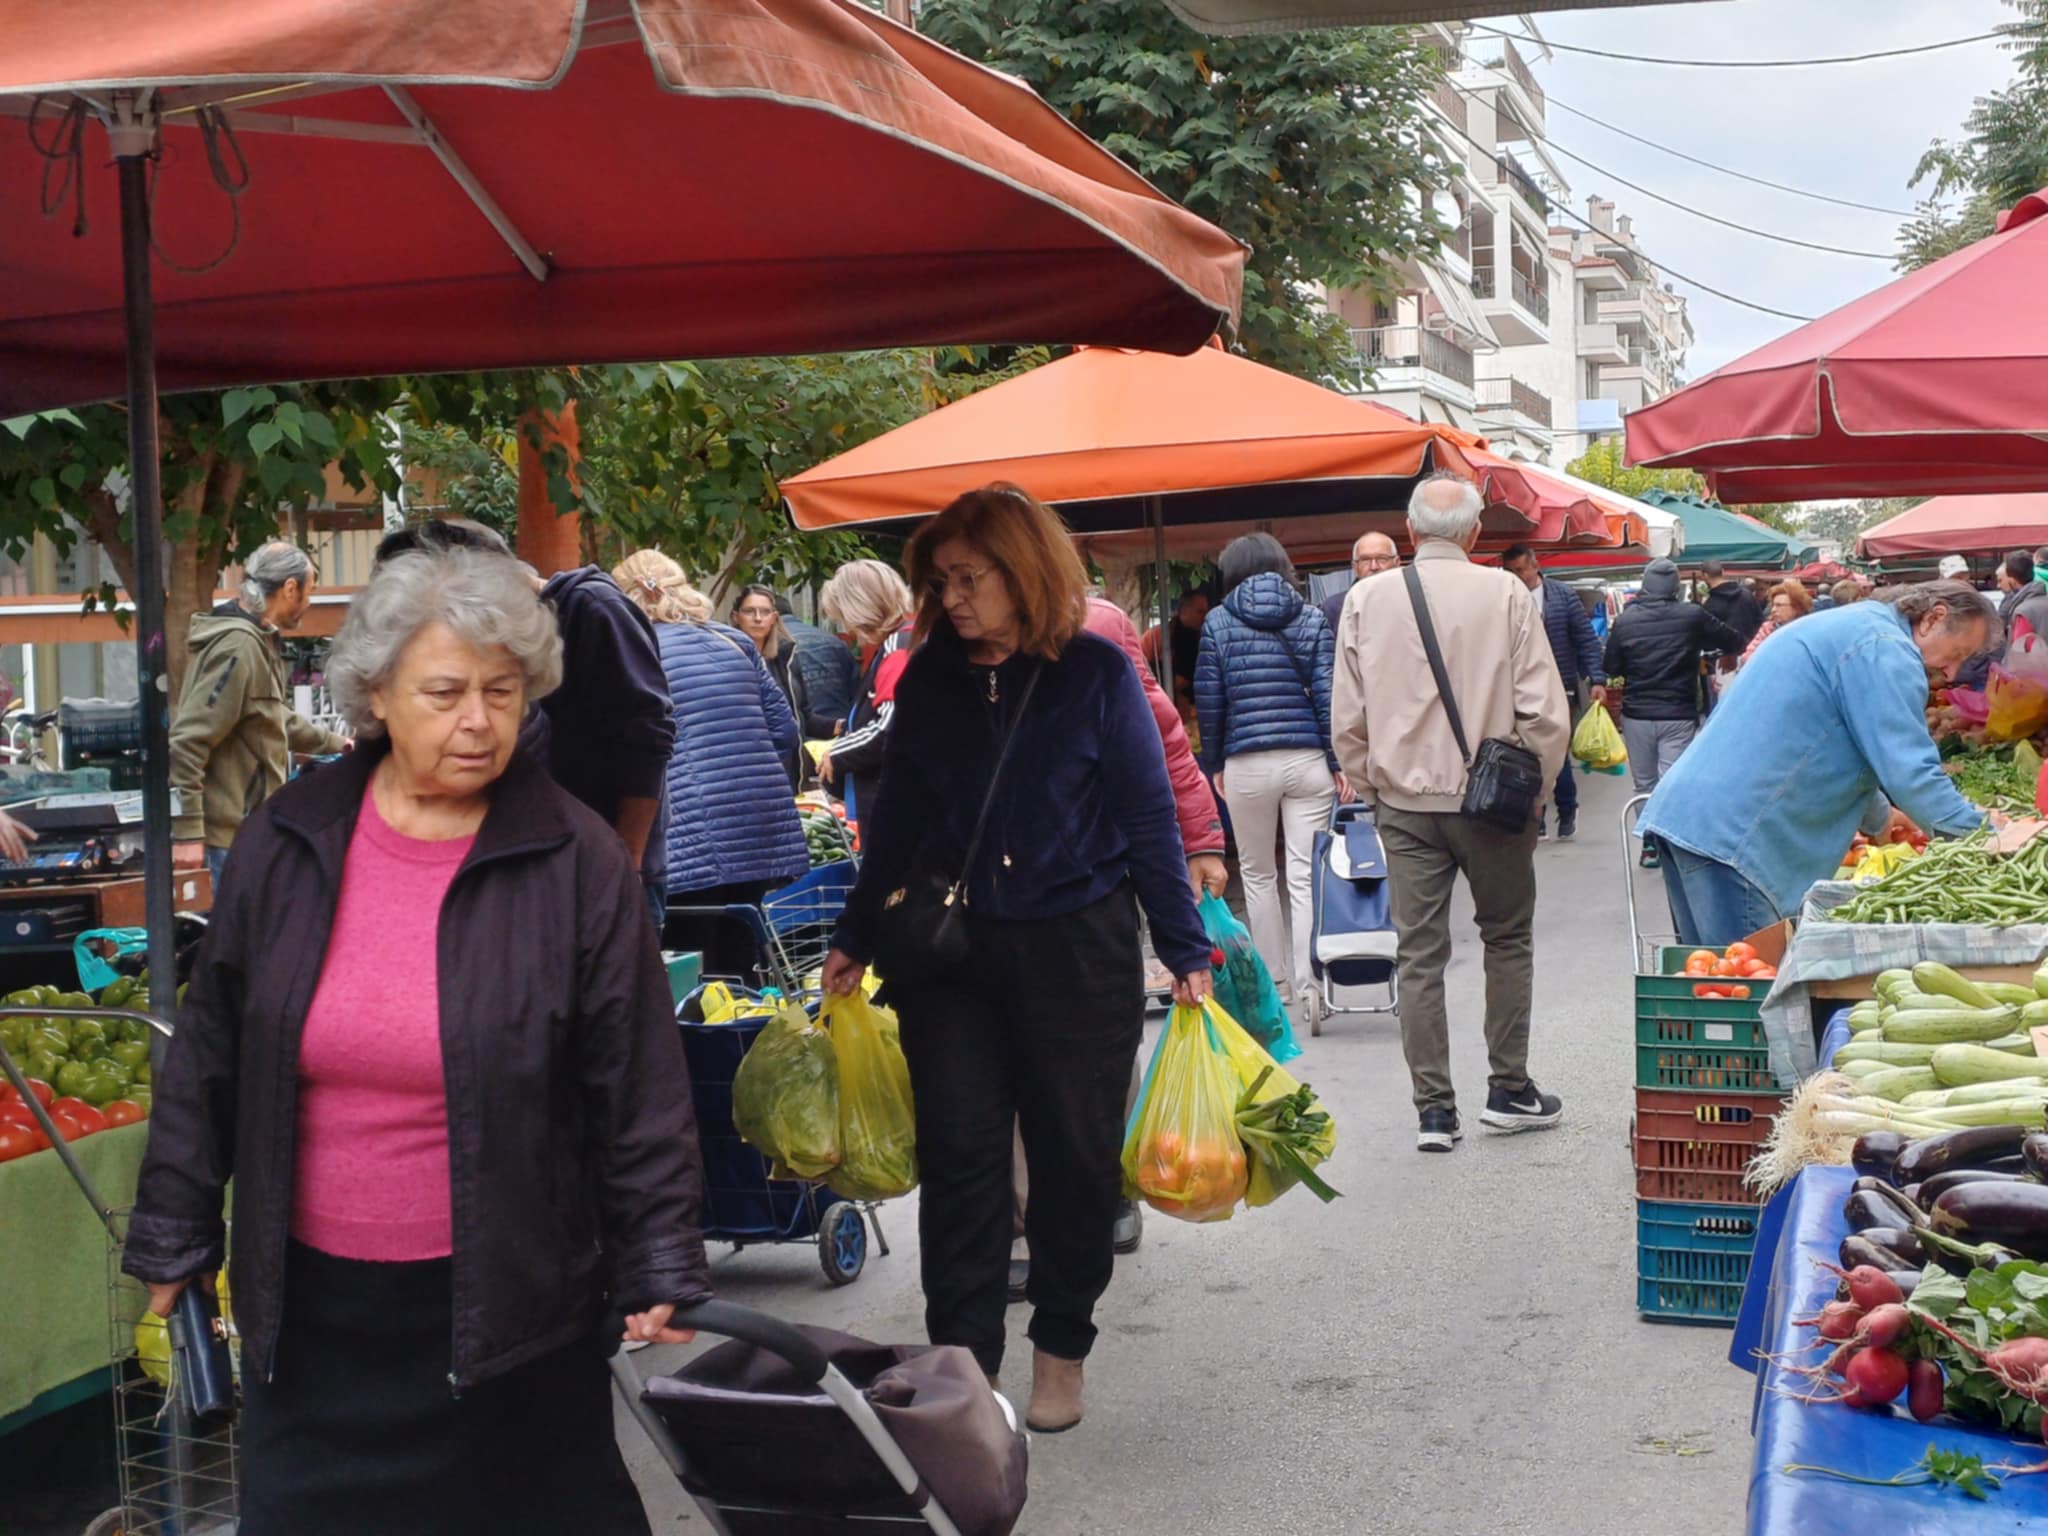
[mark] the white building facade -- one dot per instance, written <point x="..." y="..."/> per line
<point x="1534" y="328"/>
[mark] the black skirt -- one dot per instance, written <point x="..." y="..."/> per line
<point x="358" y="1432"/>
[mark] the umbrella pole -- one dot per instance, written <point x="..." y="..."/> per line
<point x="133" y="133"/>
<point x="1163" y="662"/>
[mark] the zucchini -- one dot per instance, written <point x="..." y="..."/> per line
<point x="1863" y="1068"/>
<point x="2025" y="1111"/>
<point x="2012" y="1045"/>
<point x="2041" y="981"/>
<point x="1891" y="1052"/>
<point x="2034" y="1013"/>
<point x="1891" y="980"/>
<point x="1867" y="1024"/>
<point x="1958" y="1066"/>
<point x="2009" y="992"/>
<point x="1949" y="1026"/>
<point x="1895" y="1083"/>
<point x="1932" y="976"/>
<point x="1977" y="1093"/>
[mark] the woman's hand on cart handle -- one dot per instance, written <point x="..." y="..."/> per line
<point x="1208" y="872"/>
<point x="162" y="1298"/>
<point x="1190" y="989"/>
<point x="651" y="1327"/>
<point x="842" y="972"/>
<point x="1345" y="793"/>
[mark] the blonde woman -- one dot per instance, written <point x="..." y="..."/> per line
<point x="731" y="825"/>
<point x="871" y="603"/>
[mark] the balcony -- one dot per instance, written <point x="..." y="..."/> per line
<point x="1601" y="275"/>
<point x="1450" y="101"/>
<point x="1534" y="299"/>
<point x="1524" y="95"/>
<point x="1515" y="398"/>
<point x="1629" y="311"/>
<point x="1523" y="185"/>
<point x="1389" y="349"/>
<point x="1521" y="316"/>
<point x="1601" y="344"/>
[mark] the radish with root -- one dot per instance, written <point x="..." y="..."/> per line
<point x="1924" y="1389"/>
<point x="1836" y="1321"/>
<point x="1869" y="1286"/>
<point x="2019" y="1365"/>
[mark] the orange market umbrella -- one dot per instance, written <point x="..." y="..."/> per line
<point x="385" y="186"/>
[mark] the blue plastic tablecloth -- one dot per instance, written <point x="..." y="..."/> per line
<point x="1791" y="1284"/>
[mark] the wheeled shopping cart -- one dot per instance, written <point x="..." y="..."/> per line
<point x="1643" y="947"/>
<point x="1352" y="943"/>
<point x="788" y="937"/>
<point x="790" y="1431"/>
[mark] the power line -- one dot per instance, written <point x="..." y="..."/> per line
<point x="1777" y="186"/>
<point x="1846" y="58"/>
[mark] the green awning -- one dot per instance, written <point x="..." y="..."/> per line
<point x="1712" y="532"/>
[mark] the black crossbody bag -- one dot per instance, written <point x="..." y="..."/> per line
<point x="921" y="934"/>
<point x="1503" y="782"/>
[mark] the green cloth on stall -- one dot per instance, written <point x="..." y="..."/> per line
<point x="55" y="1319"/>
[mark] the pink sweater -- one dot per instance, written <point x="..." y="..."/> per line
<point x="372" y="1174"/>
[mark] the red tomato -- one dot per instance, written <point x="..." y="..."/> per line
<point x="43" y="1091"/>
<point x="7" y="1093"/>
<point x="1709" y="989"/>
<point x="1740" y="950"/>
<point x="1765" y="973"/>
<point x="1700" y="958"/>
<point x="69" y="1106"/>
<point x="92" y="1119"/>
<point x="68" y="1125"/>
<point x="1726" y="968"/>
<point x="1739" y="993"/>
<point x="15" y="1143"/>
<point x="124" y="1112"/>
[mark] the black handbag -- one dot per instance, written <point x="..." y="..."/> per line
<point x="921" y="934"/>
<point x="1503" y="782"/>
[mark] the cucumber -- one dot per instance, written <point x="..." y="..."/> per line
<point x="1895" y="1083"/>
<point x="1976" y="1093"/>
<point x="1891" y="1053"/>
<point x="1958" y="1066"/>
<point x="1932" y="976"/>
<point x="1950" y="1026"/>
<point x="2009" y="992"/>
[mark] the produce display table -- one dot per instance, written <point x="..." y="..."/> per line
<point x="1845" y="1439"/>
<point x="54" y="1328"/>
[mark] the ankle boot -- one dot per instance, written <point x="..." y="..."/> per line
<point x="1055" y="1394"/>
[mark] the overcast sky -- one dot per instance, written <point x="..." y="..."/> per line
<point x="1849" y="130"/>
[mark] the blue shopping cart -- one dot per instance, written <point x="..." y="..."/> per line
<point x="1352" y="943"/>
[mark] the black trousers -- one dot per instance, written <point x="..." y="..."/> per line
<point x="357" y="1431"/>
<point x="1041" y="1030"/>
<point x="728" y="948"/>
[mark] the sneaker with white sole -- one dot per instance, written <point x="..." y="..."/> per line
<point x="1567" y="826"/>
<point x="1440" y="1131"/>
<point x="1529" y="1110"/>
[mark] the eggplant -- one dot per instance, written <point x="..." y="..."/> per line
<point x="2010" y="1213"/>
<point x="1904" y="1279"/>
<point x="1898" y="1240"/>
<point x="1976" y="1146"/>
<point x="1912" y="1193"/>
<point x="1864" y="1210"/>
<point x="1940" y="1184"/>
<point x="2034" y="1153"/>
<point x="1876" y="1151"/>
<point x="1902" y="1211"/>
<point x="1859" y="1248"/>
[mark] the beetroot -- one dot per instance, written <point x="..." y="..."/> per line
<point x="1875" y="1377"/>
<point x="1838" y="1320"/>
<point x="1883" y="1326"/>
<point x="1924" y="1389"/>
<point x="1869" y="1286"/>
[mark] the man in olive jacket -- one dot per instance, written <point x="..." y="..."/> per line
<point x="234" y="732"/>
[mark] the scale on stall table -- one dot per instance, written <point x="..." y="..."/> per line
<point x="78" y="837"/>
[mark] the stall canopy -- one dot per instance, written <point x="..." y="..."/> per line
<point x="1236" y="17"/>
<point x="337" y="190"/>
<point x="1715" y="533"/>
<point x="1935" y="383"/>
<point x="454" y="184"/>
<point x="1960" y="525"/>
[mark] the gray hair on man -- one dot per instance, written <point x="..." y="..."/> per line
<point x="1445" y="506"/>
<point x="481" y="596"/>
<point x="269" y="569"/>
<point x="1963" y="602"/>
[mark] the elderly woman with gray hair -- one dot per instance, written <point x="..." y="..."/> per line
<point x="430" y="1041"/>
<point x="233" y="732"/>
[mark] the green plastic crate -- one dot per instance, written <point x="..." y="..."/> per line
<point x="1692" y="1261"/>
<point x="1699" y="1044"/>
<point x="685" y="970"/>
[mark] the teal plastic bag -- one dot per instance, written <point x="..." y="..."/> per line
<point x="1244" y="987"/>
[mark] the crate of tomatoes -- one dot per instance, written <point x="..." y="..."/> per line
<point x="1699" y="1020"/>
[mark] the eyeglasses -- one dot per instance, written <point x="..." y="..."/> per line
<point x="755" y="613"/>
<point x="964" y="577"/>
<point x="1377" y="562"/>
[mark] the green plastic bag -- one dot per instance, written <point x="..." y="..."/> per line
<point x="1244" y="987"/>
<point x="785" y="1096"/>
<point x="1597" y="744"/>
<point x="877" y="1120"/>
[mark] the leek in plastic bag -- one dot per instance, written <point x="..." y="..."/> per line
<point x="1597" y="742"/>
<point x="785" y="1096"/>
<point x="1280" y="1156"/>
<point x="877" y="1123"/>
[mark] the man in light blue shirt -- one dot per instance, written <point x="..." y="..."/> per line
<point x="1824" y="731"/>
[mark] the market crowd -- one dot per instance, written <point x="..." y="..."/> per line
<point x="429" y="1044"/>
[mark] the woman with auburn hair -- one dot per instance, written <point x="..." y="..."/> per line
<point x="1788" y="600"/>
<point x="1023" y="768"/>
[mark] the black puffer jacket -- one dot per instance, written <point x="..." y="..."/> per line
<point x="1655" y="647"/>
<point x="574" y="1177"/>
<point x="1736" y="608"/>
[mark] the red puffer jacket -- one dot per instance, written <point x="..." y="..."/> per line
<point x="1201" y="829"/>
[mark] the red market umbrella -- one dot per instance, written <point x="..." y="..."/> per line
<point x="1563" y="514"/>
<point x="1960" y="525"/>
<point x="1937" y="382"/>
<point x="335" y="190"/>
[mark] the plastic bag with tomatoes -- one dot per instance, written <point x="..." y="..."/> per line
<point x="1182" y="1155"/>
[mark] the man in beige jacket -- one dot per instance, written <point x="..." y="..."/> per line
<point x="1395" y="745"/>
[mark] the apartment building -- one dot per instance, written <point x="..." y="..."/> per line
<point x="1538" y="325"/>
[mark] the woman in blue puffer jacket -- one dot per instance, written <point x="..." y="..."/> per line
<point x="1262" y="695"/>
<point x="731" y="822"/>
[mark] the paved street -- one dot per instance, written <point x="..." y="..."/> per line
<point x="1451" y="1349"/>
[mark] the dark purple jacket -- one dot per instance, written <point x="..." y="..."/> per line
<point x="573" y="1171"/>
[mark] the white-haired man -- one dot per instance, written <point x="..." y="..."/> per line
<point x="1396" y="746"/>
<point x="233" y="732"/>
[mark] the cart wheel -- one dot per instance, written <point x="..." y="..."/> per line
<point x="115" y="1522"/>
<point x="842" y="1243"/>
<point x="1315" y="1012"/>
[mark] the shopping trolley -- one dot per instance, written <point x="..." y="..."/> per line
<point x="789" y="936"/>
<point x="1352" y="941"/>
<point x="1643" y="947"/>
<point x="176" y="1469"/>
<point x="786" y="1431"/>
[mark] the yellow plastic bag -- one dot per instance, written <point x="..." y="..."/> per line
<point x="1267" y="1175"/>
<point x="877" y="1120"/>
<point x="1181" y="1152"/>
<point x="721" y="1005"/>
<point x="785" y="1096"/>
<point x="1597" y="743"/>
<point x="2018" y="705"/>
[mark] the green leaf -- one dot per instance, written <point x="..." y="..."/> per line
<point x="275" y="474"/>
<point x="320" y="431"/>
<point x="234" y="405"/>
<point x="73" y="475"/>
<point x="43" y="491"/>
<point x="265" y="436"/>
<point x="2029" y="1282"/>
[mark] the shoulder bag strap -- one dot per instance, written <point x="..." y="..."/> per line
<point x="1436" y="659"/>
<point x="1002" y="756"/>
